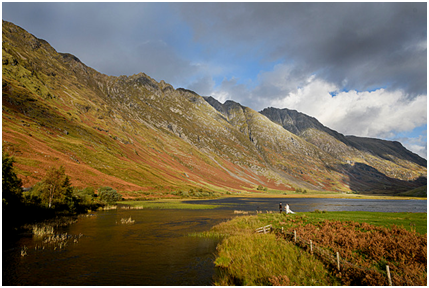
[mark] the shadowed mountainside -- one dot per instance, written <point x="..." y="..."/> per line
<point x="136" y="134"/>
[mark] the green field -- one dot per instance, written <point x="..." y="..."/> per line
<point x="401" y="219"/>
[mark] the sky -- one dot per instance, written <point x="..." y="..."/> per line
<point x="359" y="68"/>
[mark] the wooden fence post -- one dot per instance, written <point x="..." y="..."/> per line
<point x="311" y="247"/>
<point x="294" y="235"/>
<point x="388" y="275"/>
<point x="338" y="261"/>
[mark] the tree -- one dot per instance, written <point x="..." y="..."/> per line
<point x="11" y="184"/>
<point x="56" y="187"/>
<point x="109" y="195"/>
<point x="86" y="195"/>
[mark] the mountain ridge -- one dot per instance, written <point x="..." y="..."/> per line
<point x="136" y="134"/>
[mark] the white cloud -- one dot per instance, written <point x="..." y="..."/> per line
<point x="378" y="113"/>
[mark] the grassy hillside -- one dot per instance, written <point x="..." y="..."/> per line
<point x="134" y="133"/>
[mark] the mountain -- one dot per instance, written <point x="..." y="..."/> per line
<point x="364" y="158"/>
<point x="141" y="136"/>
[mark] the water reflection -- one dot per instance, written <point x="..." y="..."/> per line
<point x="155" y="250"/>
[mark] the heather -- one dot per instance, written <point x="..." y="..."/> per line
<point x="369" y="249"/>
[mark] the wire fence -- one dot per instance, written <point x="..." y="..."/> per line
<point x="350" y="273"/>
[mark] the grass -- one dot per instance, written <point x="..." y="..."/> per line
<point x="418" y="221"/>
<point x="247" y="258"/>
<point x="166" y="204"/>
<point x="258" y="259"/>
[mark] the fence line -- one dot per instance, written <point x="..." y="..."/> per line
<point x="264" y="229"/>
<point x="334" y="260"/>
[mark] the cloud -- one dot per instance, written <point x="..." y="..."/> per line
<point x="417" y="144"/>
<point x="365" y="45"/>
<point x="203" y="85"/>
<point x="113" y="38"/>
<point x="378" y="113"/>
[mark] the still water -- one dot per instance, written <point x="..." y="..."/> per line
<point x="156" y="249"/>
<point x="311" y="204"/>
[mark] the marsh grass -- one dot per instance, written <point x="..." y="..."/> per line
<point x="241" y="212"/>
<point x="108" y="207"/>
<point x="42" y="230"/>
<point x="127" y="221"/>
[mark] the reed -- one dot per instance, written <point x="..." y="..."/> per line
<point x="108" y="207"/>
<point x="241" y="212"/>
<point x="127" y="221"/>
<point x="42" y="230"/>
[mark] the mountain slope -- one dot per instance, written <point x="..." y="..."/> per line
<point x="388" y="158"/>
<point x="136" y="134"/>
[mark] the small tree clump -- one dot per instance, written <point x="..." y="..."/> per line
<point x="109" y="195"/>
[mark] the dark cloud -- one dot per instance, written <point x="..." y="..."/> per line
<point x="354" y="45"/>
<point x="113" y="38"/>
<point x="366" y="45"/>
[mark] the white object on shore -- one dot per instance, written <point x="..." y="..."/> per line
<point x="288" y="211"/>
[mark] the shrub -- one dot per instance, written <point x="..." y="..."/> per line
<point x="262" y="188"/>
<point x="86" y="195"/>
<point x="109" y="195"/>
